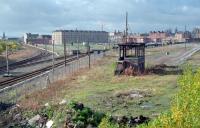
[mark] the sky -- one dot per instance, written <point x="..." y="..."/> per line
<point x="44" y="16"/>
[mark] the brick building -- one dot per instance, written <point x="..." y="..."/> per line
<point x="157" y="36"/>
<point x="71" y="36"/>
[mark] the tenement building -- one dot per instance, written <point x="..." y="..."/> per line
<point x="73" y="36"/>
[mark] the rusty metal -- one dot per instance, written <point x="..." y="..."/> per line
<point x="131" y="55"/>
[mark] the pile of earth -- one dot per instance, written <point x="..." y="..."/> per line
<point x="163" y="69"/>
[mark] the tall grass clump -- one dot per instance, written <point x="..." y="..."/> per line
<point x="185" y="108"/>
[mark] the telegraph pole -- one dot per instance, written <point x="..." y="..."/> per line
<point x="126" y="32"/>
<point x="77" y="49"/>
<point x="7" y="64"/>
<point x="65" y="54"/>
<point x="88" y="46"/>
<point x="185" y="36"/>
<point x="53" y="60"/>
<point x="78" y="53"/>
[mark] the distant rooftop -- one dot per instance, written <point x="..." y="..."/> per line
<point x="77" y="31"/>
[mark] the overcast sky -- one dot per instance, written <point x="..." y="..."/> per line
<point x="44" y="16"/>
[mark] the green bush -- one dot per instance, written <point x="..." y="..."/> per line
<point x="184" y="112"/>
<point x="2" y="47"/>
<point x="48" y="111"/>
<point x="85" y="115"/>
<point x="105" y="123"/>
<point x="12" y="46"/>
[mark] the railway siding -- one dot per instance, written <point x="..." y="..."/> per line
<point x="42" y="80"/>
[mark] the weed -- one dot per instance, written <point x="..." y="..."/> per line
<point x="184" y="112"/>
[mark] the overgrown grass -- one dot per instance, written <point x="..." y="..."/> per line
<point x="98" y="89"/>
<point x="184" y="112"/>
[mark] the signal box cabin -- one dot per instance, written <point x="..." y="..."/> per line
<point x="131" y="58"/>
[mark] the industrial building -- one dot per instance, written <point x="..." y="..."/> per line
<point x="37" y="39"/>
<point x="72" y="36"/>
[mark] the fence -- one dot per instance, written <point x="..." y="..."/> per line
<point x="13" y="93"/>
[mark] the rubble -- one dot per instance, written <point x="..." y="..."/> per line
<point x="49" y="124"/>
<point x="34" y="120"/>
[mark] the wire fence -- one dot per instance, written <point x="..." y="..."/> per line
<point x="15" y="92"/>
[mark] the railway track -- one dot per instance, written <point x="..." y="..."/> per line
<point x="35" y="63"/>
<point x="24" y="62"/>
<point x="26" y="76"/>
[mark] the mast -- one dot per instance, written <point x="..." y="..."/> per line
<point x="185" y="36"/>
<point x="126" y="31"/>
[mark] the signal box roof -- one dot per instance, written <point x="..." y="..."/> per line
<point x="132" y="44"/>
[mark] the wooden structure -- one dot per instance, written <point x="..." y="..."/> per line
<point x="131" y="55"/>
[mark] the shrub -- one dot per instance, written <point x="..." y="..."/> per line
<point x="105" y="123"/>
<point x="48" y="111"/>
<point x="185" y="112"/>
<point x="85" y="116"/>
<point x="12" y="46"/>
<point x="1" y="49"/>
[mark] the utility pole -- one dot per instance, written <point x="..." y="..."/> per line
<point x="185" y="36"/>
<point x="7" y="64"/>
<point x="78" y="53"/>
<point x="77" y="49"/>
<point x="88" y="50"/>
<point x="53" y="60"/>
<point x="126" y="32"/>
<point x="65" y="54"/>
